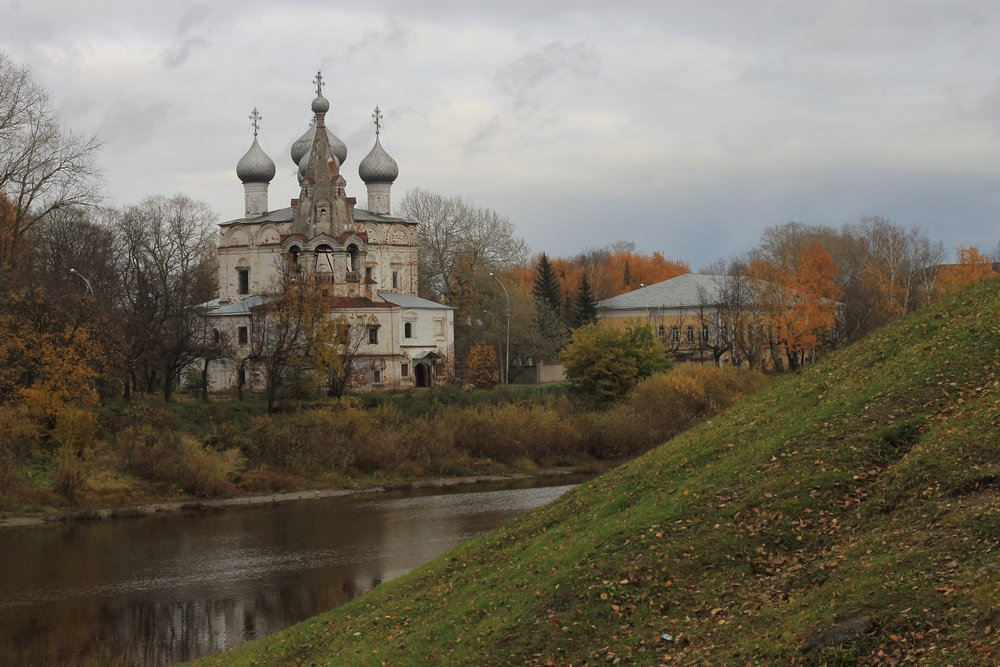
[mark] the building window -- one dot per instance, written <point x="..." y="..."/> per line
<point x="704" y="333"/>
<point x="661" y="331"/>
<point x="241" y="377"/>
<point x="689" y="334"/>
<point x="408" y="330"/>
<point x="675" y="334"/>
<point x="439" y="327"/>
<point x="242" y="335"/>
<point x="369" y="274"/>
<point x="244" y="280"/>
<point x="216" y="336"/>
<point x="395" y="280"/>
<point x="376" y="377"/>
<point x="404" y="370"/>
<point x="373" y="336"/>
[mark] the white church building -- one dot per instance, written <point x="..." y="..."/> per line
<point x="368" y="258"/>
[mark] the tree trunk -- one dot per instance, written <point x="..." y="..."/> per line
<point x="204" y="382"/>
<point x="168" y="385"/>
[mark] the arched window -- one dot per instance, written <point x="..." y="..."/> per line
<point x="689" y="334"/>
<point x="408" y="330"/>
<point x="293" y="255"/>
<point x="352" y="256"/>
<point x="675" y="334"/>
<point x="704" y="333"/>
<point x="661" y="331"/>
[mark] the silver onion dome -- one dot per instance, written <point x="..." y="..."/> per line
<point x="378" y="166"/>
<point x="255" y="166"/>
<point x="303" y="145"/>
<point x="320" y="104"/>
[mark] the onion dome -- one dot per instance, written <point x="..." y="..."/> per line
<point x="303" y="145"/>
<point x="378" y="166"/>
<point x="255" y="166"/>
<point x="320" y="104"/>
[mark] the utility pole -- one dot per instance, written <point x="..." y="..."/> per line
<point x="506" y="374"/>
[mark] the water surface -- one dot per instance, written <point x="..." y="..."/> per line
<point x="173" y="587"/>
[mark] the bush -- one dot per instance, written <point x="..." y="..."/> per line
<point x="607" y="362"/>
<point x="166" y="456"/>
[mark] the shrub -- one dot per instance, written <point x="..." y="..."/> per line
<point x="607" y="362"/>
<point x="166" y="456"/>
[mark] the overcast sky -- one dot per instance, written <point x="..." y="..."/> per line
<point x="687" y="127"/>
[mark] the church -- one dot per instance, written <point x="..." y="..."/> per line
<point x="366" y="260"/>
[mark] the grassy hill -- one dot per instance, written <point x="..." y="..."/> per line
<point x="862" y="490"/>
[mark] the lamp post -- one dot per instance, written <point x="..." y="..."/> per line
<point x="506" y="373"/>
<point x="90" y="288"/>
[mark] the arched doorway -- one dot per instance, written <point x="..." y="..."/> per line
<point x="422" y="374"/>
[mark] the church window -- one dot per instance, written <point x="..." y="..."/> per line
<point x="404" y="370"/>
<point x="373" y="336"/>
<point x="376" y="377"/>
<point x="395" y="280"/>
<point x="293" y="253"/>
<point x="369" y="274"/>
<point x="661" y="331"/>
<point x="352" y="258"/>
<point x="439" y="327"/>
<point x="244" y="280"/>
<point x="689" y="334"/>
<point x="704" y="333"/>
<point x="675" y="334"/>
<point x="241" y="334"/>
<point x="241" y="377"/>
<point x="216" y="337"/>
<point x="408" y="330"/>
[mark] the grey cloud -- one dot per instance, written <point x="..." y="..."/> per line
<point x="483" y="136"/>
<point x="125" y="126"/>
<point x="556" y="60"/>
<point x="392" y="36"/>
<point x="187" y="27"/>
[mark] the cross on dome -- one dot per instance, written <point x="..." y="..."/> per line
<point x="319" y="82"/>
<point x="255" y="119"/>
<point x="378" y="118"/>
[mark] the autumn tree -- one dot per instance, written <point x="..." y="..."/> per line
<point x="971" y="267"/>
<point x="607" y="362"/>
<point x="800" y="301"/>
<point x="482" y="361"/>
<point x="44" y="167"/>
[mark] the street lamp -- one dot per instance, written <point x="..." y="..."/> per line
<point x="90" y="288"/>
<point x="506" y="374"/>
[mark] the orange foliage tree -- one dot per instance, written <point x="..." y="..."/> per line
<point x="800" y="300"/>
<point x="971" y="267"/>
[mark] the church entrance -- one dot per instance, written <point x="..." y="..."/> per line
<point x="423" y="375"/>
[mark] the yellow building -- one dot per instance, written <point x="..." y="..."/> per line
<point x="702" y="319"/>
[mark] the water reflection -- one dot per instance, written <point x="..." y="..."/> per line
<point x="175" y="587"/>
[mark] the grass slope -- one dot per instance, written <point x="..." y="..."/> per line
<point x="865" y="485"/>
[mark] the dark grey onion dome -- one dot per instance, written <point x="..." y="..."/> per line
<point x="303" y="145"/>
<point x="255" y="166"/>
<point x="378" y="166"/>
<point x="320" y="104"/>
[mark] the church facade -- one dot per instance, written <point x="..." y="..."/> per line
<point x="366" y="261"/>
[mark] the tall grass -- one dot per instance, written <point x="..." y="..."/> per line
<point x="224" y="447"/>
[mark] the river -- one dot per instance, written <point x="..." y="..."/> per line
<point x="176" y="586"/>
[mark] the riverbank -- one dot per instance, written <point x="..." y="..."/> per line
<point x="847" y="515"/>
<point x="272" y="498"/>
<point x="144" y="452"/>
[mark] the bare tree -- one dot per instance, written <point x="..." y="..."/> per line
<point x="44" y="167"/>
<point x="460" y="243"/>
<point x="167" y="266"/>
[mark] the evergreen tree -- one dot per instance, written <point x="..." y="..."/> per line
<point x="585" y="306"/>
<point x="547" y="287"/>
